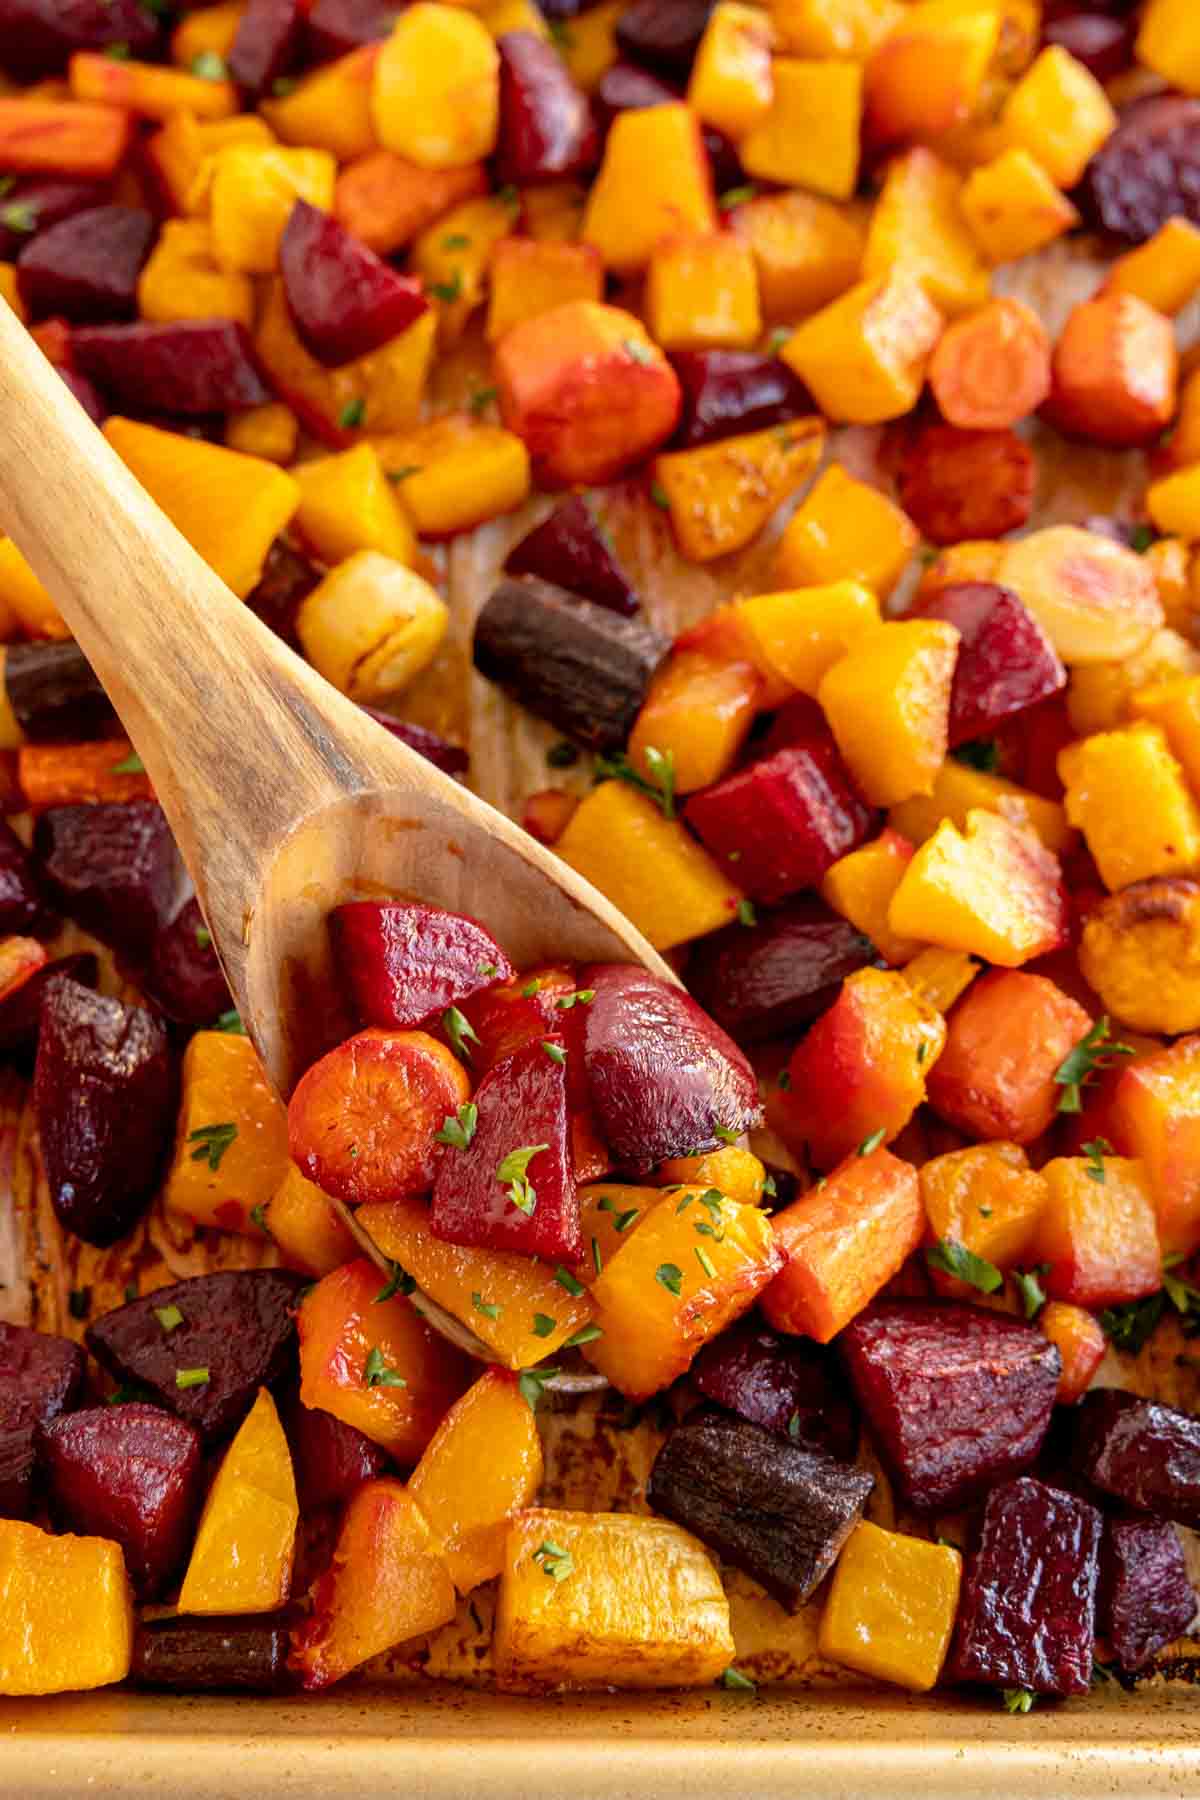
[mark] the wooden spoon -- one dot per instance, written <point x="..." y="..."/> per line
<point x="285" y="798"/>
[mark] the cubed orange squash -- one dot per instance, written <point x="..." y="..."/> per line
<point x="453" y="257"/>
<point x="796" y="636"/>
<point x="918" y="226"/>
<point x="1081" y="1344"/>
<point x="721" y="495"/>
<point x="958" y="789"/>
<point x="1167" y="43"/>
<point x="527" y="277"/>
<point x="242" y="1558"/>
<point x="1175" y="706"/>
<point x="1140" y="951"/>
<point x="698" y="711"/>
<point x="1155" y="1117"/>
<point x="695" y="1264"/>
<point x="736" y="1172"/>
<point x="654" y="182"/>
<point x="271" y="431"/>
<point x="1128" y="795"/>
<point x="25" y="598"/>
<point x="1098" y="1232"/>
<point x="888" y="704"/>
<point x="608" y="1212"/>
<point x="891" y="1607"/>
<point x="455" y="473"/>
<point x="329" y="108"/>
<point x="724" y="635"/>
<point x="1174" y="503"/>
<point x="1013" y="208"/>
<point x="251" y="191"/>
<point x="864" y="356"/>
<point x="940" y="977"/>
<point x="306" y="1227"/>
<point x="995" y="892"/>
<point x="482" y="1465"/>
<point x="985" y="1198"/>
<point x="66" y="1611"/>
<point x="553" y="214"/>
<point x="702" y="293"/>
<point x="860" y="886"/>
<point x="386" y="200"/>
<point x="435" y="96"/>
<point x="147" y="89"/>
<point x="1059" y="112"/>
<point x="1101" y="695"/>
<point x="807" y="250"/>
<point x="1164" y="272"/>
<point x="926" y="75"/>
<point x="731" y="83"/>
<point x="231" y="1141"/>
<point x="347" y="503"/>
<point x="843" y="531"/>
<point x="995" y="1077"/>
<point x="810" y="136"/>
<point x="181" y="279"/>
<point x="843" y="1242"/>
<point x="176" y="153"/>
<point x="850" y="28"/>
<point x="371" y="625"/>
<point x="373" y="1362"/>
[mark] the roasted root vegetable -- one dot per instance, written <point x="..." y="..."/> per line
<point x="654" y="181"/>
<point x="43" y="1378"/>
<point x="888" y="704"/>
<point x="371" y="624"/>
<point x="1013" y="207"/>
<point x="1097" y="1231"/>
<point x="768" y="979"/>
<point x="720" y="495"/>
<point x="1079" y="1338"/>
<point x="1154" y="1118"/>
<point x="1096" y="600"/>
<point x="405" y="964"/>
<point x="864" y="356"/>
<point x="572" y="549"/>
<point x="1059" y="113"/>
<point x="211" y="1655"/>
<point x="1005" y="664"/>
<point x="231" y="1150"/>
<point x="918" y="227"/>
<point x="1137" y="952"/>
<point x="245" y="1541"/>
<point x="1114" y="372"/>
<point x="306" y="1227"/>
<point x="995" y="892"/>
<point x="807" y="250"/>
<point x="68" y="1611"/>
<point x="845" y="532"/>
<point x="926" y="74"/>
<point x="698" y="712"/>
<point x="891" y="1607"/>
<point x="1005" y="1043"/>
<point x="702" y="294"/>
<point x="786" y="1384"/>
<point x="1140" y="1453"/>
<point x="794" y="638"/>
<point x="1127" y="793"/>
<point x="967" y="484"/>
<point x="987" y="1200"/>
<point x="860" y="886"/>
<point x="959" y="790"/>
<point x="991" y="369"/>
<point x="1146" y="1598"/>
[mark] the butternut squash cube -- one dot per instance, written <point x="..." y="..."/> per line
<point x="455" y="473"/>
<point x="927" y="74"/>
<point x="940" y="977"/>
<point x="918" y="226"/>
<point x="721" y="495"/>
<point x="435" y="96"/>
<point x="453" y="255"/>
<point x="1098" y="1232"/>
<point x="593" y="1600"/>
<point x="807" y="251"/>
<point x="178" y="151"/>
<point x="864" y="357"/>
<point x="181" y="279"/>
<point x="702" y="294"/>
<point x="798" y="635"/>
<point x="995" y="892"/>
<point x="252" y="191"/>
<point x="66" y="1611"/>
<point x="731" y="84"/>
<point x="307" y="1229"/>
<point x="589" y="46"/>
<point x="347" y="503"/>
<point x="1013" y="208"/>
<point x="958" y="789"/>
<point x="737" y="1172"/>
<point x="861" y="885"/>
<point x="850" y="28"/>
<point x="528" y="277"/>
<point x="25" y="598"/>
<point x="1104" y="695"/>
<point x="1127" y="794"/>
<point x="1082" y="1345"/>
<point x="1164" y="272"/>
<point x="371" y="625"/>
<point x="891" y="1607"/>
<point x="810" y="136"/>
<point x="698" y="712"/>
<point x="226" y="1096"/>
<point x="1175" y="706"/>
<point x="846" y="531"/>
<point x="985" y="1198"/>
<point x="888" y="704"/>
<point x="1174" y="503"/>
<point x="242" y="1559"/>
<point x="1170" y="560"/>
<point x="654" y="182"/>
<point x="270" y="431"/>
<point x="1169" y="43"/>
<point x="608" y="1212"/>
<point x="1140" y="951"/>
<point x="482" y="1465"/>
<point x="1155" y="1117"/>
<point x="1059" y="112"/>
<point x="329" y="108"/>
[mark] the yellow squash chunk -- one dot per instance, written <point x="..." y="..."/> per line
<point x="940" y="977"/>
<point x="181" y="279"/>
<point x="1127" y="794"/>
<point x="594" y="1600"/>
<point x="891" y="1607"/>
<point x="846" y="531"/>
<point x="347" y="503"/>
<point x="306" y="1228"/>
<point x="1013" y="208"/>
<point x="653" y="183"/>
<point x="986" y="1198"/>
<point x="1170" y="560"/>
<point x="453" y="256"/>
<point x="721" y="495"/>
<point x="850" y="28"/>
<point x="451" y="1273"/>
<point x="23" y="596"/>
<point x="959" y="789"/>
<point x="436" y="92"/>
<point x="1096" y="600"/>
<point x="231" y="1148"/>
<point x="888" y="704"/>
<point x="650" y="867"/>
<point x="231" y="508"/>
<point x="737" y="1172"/>
<point x="371" y="626"/>
<point x="1169" y="43"/>
<point x="807" y="251"/>
<point x="528" y="277"/>
<point x="483" y="1464"/>
<point x="810" y="137"/>
<point x="455" y="473"/>
<point x="66" y="1612"/>
<point x="271" y="431"/>
<point x="702" y="294"/>
<point x="698" y="711"/>
<point x="798" y="635"/>
<point x="1101" y="695"/>
<point x="692" y="1267"/>
<point x="864" y="357"/>
<point x="918" y="226"/>
<point x="731" y="84"/>
<point x="252" y="191"/>
<point x="1059" y="113"/>
<point x="1165" y="270"/>
<point x="994" y="892"/>
<point x="382" y="391"/>
<point x="608" y="1212"/>
<point x="329" y="109"/>
<point x="242" y="1559"/>
<point x="1174" y="503"/>
<point x="861" y="886"/>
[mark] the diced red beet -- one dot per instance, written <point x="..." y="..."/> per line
<point x="54" y="695"/>
<point x="546" y="127"/>
<point x="1102" y="42"/>
<point x="335" y="27"/>
<point x="726" y="391"/>
<point x="957" y="1397"/>
<point x="212" y="1655"/>
<point x="405" y="963"/>
<point x="664" y="34"/>
<point x="35" y="202"/>
<point x="40" y="1377"/>
<point x="21" y="1007"/>
<point x="238" y="1331"/>
<point x="573" y="549"/>
<point x="344" y="300"/>
<point x="183" y="976"/>
<point x="1027" y="1612"/>
<point x="86" y="267"/>
<point x="452" y="759"/>
<point x="665" y="1079"/>
<point x="287" y="579"/>
<point x="1146" y="1598"/>
<point x="331" y="1459"/>
<point x="131" y="1473"/>
<point x="193" y="367"/>
<point x="798" y="723"/>
<point x="104" y="1098"/>
<point x="769" y="979"/>
<point x="87" y="394"/>
<point x="626" y="87"/>
<point x="1148" y="171"/>
<point x="22" y="903"/>
<point x="492" y="1196"/>
<point x="113" y="867"/>
<point x="785" y="819"/>
<point x="267" y="45"/>
<point x="788" y="1385"/>
<point x="1005" y="660"/>
<point x="1145" y="1455"/>
<point x="38" y="36"/>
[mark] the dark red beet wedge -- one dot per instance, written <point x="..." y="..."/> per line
<point x="1005" y="660"/>
<point x="335" y="27"/>
<point x="572" y="549"/>
<point x="87" y="394"/>
<point x="1146" y="1598"/>
<point x="451" y="758"/>
<point x="787" y="1385"/>
<point x="86" y="267"/>
<point x="665" y="1079"/>
<point x="405" y="964"/>
<point x="344" y="300"/>
<point x="54" y="694"/>
<point x="727" y="391"/>
<point x="494" y="1193"/>
<point x="1026" y="1616"/>
<point x="331" y="1459"/>
<point x="40" y="1377"/>
<point x="1102" y="42"/>
<point x="104" y="1098"/>
<point x="1145" y="1455"/>
<point x="183" y="976"/>
<point x="35" y="202"/>
<point x="267" y="45"/>
<point x="287" y="579"/>
<point x="546" y="127"/>
<point x="113" y="868"/>
<point x="191" y="368"/>
<point x="238" y="1331"/>
<point x="663" y="34"/>
<point x="956" y="1397"/>
<point x="771" y="978"/>
<point x="21" y="1007"/>
<point x="22" y="904"/>
<point x="38" y="36"/>
<point x="780" y="1512"/>
<point x="212" y="1656"/>
<point x="627" y="87"/>
<point x="132" y="1473"/>
<point x="1148" y="171"/>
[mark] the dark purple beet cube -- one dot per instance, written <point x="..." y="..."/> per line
<point x="35" y="202"/>
<point x="452" y="759"/>
<point x="54" y="694"/>
<point x="494" y="1194"/>
<point x="1005" y="660"/>
<point x="38" y="36"/>
<point x="212" y="1655"/>
<point x="344" y="300"/>
<point x="267" y="45"/>
<point x="183" y="976"/>
<point x="1027" y="1612"/>
<point x="1102" y="42"/>
<point x="1146" y="1598"/>
<point x="192" y="367"/>
<point x="727" y="391"/>
<point x="335" y="27"/>
<point x="1143" y="1454"/>
<point x="40" y="1377"/>
<point x="22" y="904"/>
<point x="112" y="867"/>
<point x="573" y="549"/>
<point x="956" y="1397"/>
<point x="132" y="1473"/>
<point x="331" y="1459"/>
<point x="21" y="1009"/>
<point x="287" y="579"/>
<point x="86" y="267"/>
<point x="546" y="127"/>
<point x="771" y="978"/>
<point x="787" y="1385"/>
<point x="405" y="963"/>
<point x="663" y="34"/>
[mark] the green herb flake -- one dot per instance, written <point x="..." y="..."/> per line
<point x="562" y="755"/>
<point x="587" y="1334"/>
<point x="258" y="1216"/>
<point x="566" y="1280"/>
<point x="212" y="1142"/>
<point x="480" y="400"/>
<point x="459" y="1129"/>
<point x="120" y="52"/>
<point x="513" y="1169"/>
<point x="1141" y="537"/>
<point x="621" y="1220"/>
<point x="872" y="1143"/>
<point x="793" y="1427"/>
<point x="456" y="240"/>
<point x="508" y="195"/>
<point x="18" y="216"/>
<point x="1130" y="1327"/>
<point x="597" y="1257"/>
<point x="447" y="291"/>
<point x="778" y="339"/>
<point x="231" y="1021"/>
<point x="725" y="1133"/>
<point x="399" y="1281"/>
<point x="531" y="1384"/>
<point x="658" y="784"/>
<point x="1029" y="1285"/>
<point x="489" y="970"/>
<point x="1096" y="1149"/>
<point x="531" y="988"/>
<point x="169" y="1317"/>
<point x="130" y="765"/>
<point x="641" y="353"/>
<point x="203" y="938"/>
<point x="396" y="476"/>
<point x="1018" y="1700"/>
<point x="208" y="66"/>
<point x="377" y="1374"/>
<point x="980" y="753"/>
<point x="190" y="1378"/>
<point x="555" y="1052"/>
<point x="737" y="196"/>
<point x="79" y="1302"/>
<point x="660" y="496"/>
<point x="281" y="87"/>
<point x="561" y="35"/>
<point x="1183" y="1296"/>
<point x="670" y="1276"/>
<point x="922" y="1053"/>
<point x="460" y="1031"/>
<point x="486" y="1307"/>
<point x="955" y="1259"/>
<point x="543" y="1325"/>
<point x="734" y="1679"/>
<point x="1092" y="1053"/>
<point x="785" y="1081"/>
<point x="131" y="1291"/>
<point x="353" y="413"/>
<point x="705" y="1261"/>
<point x="581" y="997"/>
<point x="770" y="1187"/>
<point x="746" y="914"/>
<point x="555" y="1562"/>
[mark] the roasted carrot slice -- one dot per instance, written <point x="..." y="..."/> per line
<point x="991" y="368"/>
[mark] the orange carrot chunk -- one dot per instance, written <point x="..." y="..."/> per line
<point x="991" y="368"/>
<point x="1115" y="372"/>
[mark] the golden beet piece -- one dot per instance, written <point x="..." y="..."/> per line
<point x="435" y="93"/>
<point x="1115" y="372"/>
<point x="995" y="1078"/>
<point x="348" y="504"/>
<point x="242" y="1559"/>
<point x="926" y="75"/>
<point x="1127" y="794"/>
<point x="1095" y="600"/>
<point x="1176" y="707"/>
<point x="891" y="1607"/>
<point x="888" y="704"/>
<point x="995" y="892"/>
<point x="1059" y="112"/>
<point x="231" y="1149"/>
<point x="654" y="182"/>
<point x="860" y="886"/>
<point x="1140" y="951"/>
<point x="807" y="250"/>
<point x="985" y="1198"/>
<point x="1155" y="1117"/>
<point x="305" y="1225"/>
<point x="1098" y="1232"/>
<point x="721" y="495"/>
<point x="66" y="1611"/>
<point x="864" y="356"/>
<point x="698" y="711"/>
<point x="918" y="226"/>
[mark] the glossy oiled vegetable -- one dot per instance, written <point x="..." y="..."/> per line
<point x="67" y="1611"/>
<point x="242" y="1559"/>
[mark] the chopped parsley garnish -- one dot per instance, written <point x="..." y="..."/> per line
<point x="1141" y="537"/>
<point x="1018" y="1700"/>
<point x="190" y="1378"/>
<point x="1092" y="1053"/>
<point x="746" y="914"/>
<point x="531" y="1384"/>
<point x="670" y="1276"/>
<point x="742" y="1684"/>
<point x="955" y="1259"/>
<point x="597" y="1258"/>
<point x="399" y="1281"/>
<point x="794" y="1427"/>
<point x="258" y="1216"/>
<point x="531" y="988"/>
<point x="460" y="1031"/>
<point x="641" y="353"/>
<point x="131" y="1291"/>
<point x="544" y="1325"/>
<point x="203" y="937"/>
<point x="873" y="1142"/>
<point x="1183" y="1296"/>
<point x="587" y="1334"/>
<point x="129" y="765"/>
<point x="487" y="1307"/>
<point x="212" y="1141"/>
<point x="1096" y="1149"/>
<point x="561" y="36"/>
<point x="447" y="291"/>
<point x="480" y="400"/>
<point x="736" y="196"/>
<point x="778" y="339"/>
<point x="457" y="1131"/>
<point x="581" y="997"/>
<point x="208" y="66"/>
<point x="18" y="216"/>
<point x="658" y="784"/>
<point x="1131" y="1326"/>
<point x="79" y="1302"/>
<point x="566" y="1280"/>
<point x="621" y="1220"/>
<point x="980" y="753"/>
<point x="395" y="476"/>
<point x="725" y="1133"/>
<point x="231" y="1021"/>
<point x="785" y="1080"/>
<point x="770" y="1187"/>
<point x="281" y="87"/>
<point x="456" y="240"/>
<point x="489" y="970"/>
<point x="555" y="1562"/>
<point x="118" y="52"/>
<point x="660" y="496"/>
<point x="169" y="1317"/>
<point x="705" y="1261"/>
<point x="514" y="1169"/>
<point x="1029" y="1286"/>
<point x="377" y="1374"/>
<point x="555" y="1052"/>
<point x="353" y="413"/>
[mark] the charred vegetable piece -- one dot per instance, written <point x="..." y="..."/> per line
<point x="777" y="1511"/>
<point x="86" y="267"/>
<point x="219" y="1656"/>
<point x="546" y="126"/>
<point x="405" y="964"/>
<point x="1146" y="1598"/>
<point x="40" y="1377"/>
<point x="267" y="45"/>
<point x="1005" y="660"/>
<point x="1148" y="171"/>
<point x="344" y="300"/>
<point x="1145" y="1455"/>
<point x="731" y="391"/>
<point x="331" y="1459"/>
<point x="664" y="34"/>
<point x="288" y="578"/>
<point x="1026" y="1615"/>
<point x="769" y="979"/>
<point x="103" y="1097"/>
<point x="54" y="696"/>
<point x="183" y="975"/>
<point x="572" y="549"/>
<point x="191" y="368"/>
<point x="112" y="867"/>
<point x="40" y="35"/>
<point x="451" y="758"/>
<point x="21" y="904"/>
<point x="36" y="202"/>
<point x="665" y="1080"/>
<point x="236" y="1334"/>
<point x="568" y="660"/>
<point x="132" y="1473"/>
<point x="783" y="1383"/>
<point x="957" y="1397"/>
<point x="21" y="1007"/>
